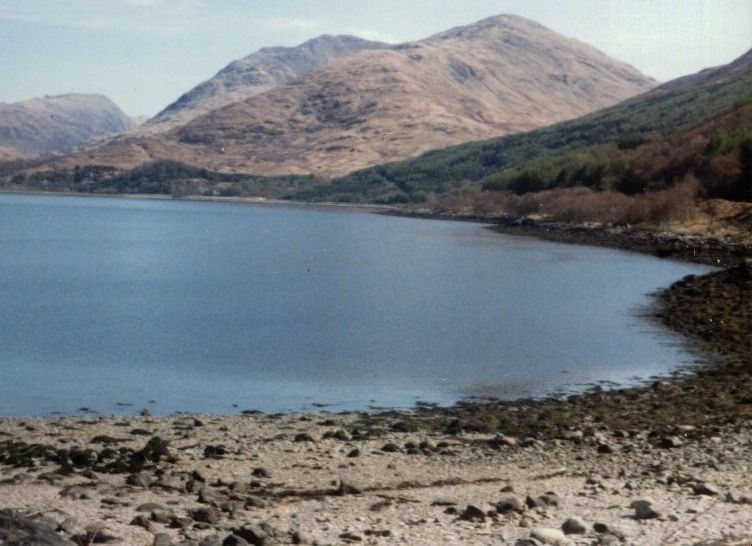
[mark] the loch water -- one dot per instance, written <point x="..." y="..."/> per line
<point x="111" y="305"/>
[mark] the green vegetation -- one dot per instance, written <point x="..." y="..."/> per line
<point x="159" y="177"/>
<point x="528" y="162"/>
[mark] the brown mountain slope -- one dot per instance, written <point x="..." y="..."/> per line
<point x="57" y="124"/>
<point x="501" y="75"/>
<point x="254" y="74"/>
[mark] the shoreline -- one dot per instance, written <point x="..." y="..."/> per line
<point x="477" y="472"/>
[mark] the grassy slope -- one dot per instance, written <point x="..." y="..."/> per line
<point x="669" y="107"/>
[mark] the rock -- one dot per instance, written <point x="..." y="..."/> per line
<point x="670" y="442"/>
<point x="140" y="479"/>
<point x="554" y="537"/>
<point x="704" y="488"/>
<point x="149" y="507"/>
<point x="96" y="534"/>
<point x="645" y="509"/>
<point x="390" y="447"/>
<point x="205" y="515"/>
<point x="304" y="437"/>
<point x="608" y="540"/>
<point x="500" y="440"/>
<point x="261" y="472"/>
<point x="207" y="495"/>
<point x="572" y="435"/>
<point x="527" y="542"/>
<point x="609" y="529"/>
<point x="162" y="516"/>
<point x="574" y="526"/>
<point x="250" y="534"/>
<point x="428" y="444"/>
<point x="510" y="504"/>
<point x="300" y="537"/>
<point x="19" y="530"/>
<point x="235" y="540"/>
<point x="142" y="521"/>
<point x="211" y="541"/>
<point x="170" y="483"/>
<point x="75" y="492"/>
<point x="162" y="539"/>
<point x="355" y="452"/>
<point x="443" y="502"/>
<point x="473" y="513"/>
<point x="215" y="451"/>
<point x="348" y="488"/>
<point x="547" y="499"/>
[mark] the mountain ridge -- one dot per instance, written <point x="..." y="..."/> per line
<point x="58" y="123"/>
<point x="502" y="75"/>
<point x="255" y="73"/>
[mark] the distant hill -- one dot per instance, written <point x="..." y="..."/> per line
<point x="255" y="74"/>
<point x="500" y="76"/>
<point x="714" y="98"/>
<point x="57" y="124"/>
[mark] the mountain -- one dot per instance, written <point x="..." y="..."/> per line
<point x="499" y="76"/>
<point x="542" y="155"/>
<point x="256" y="73"/>
<point x="57" y="124"/>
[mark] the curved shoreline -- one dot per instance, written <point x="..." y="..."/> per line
<point x="474" y="473"/>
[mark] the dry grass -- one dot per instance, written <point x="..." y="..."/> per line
<point x="578" y="205"/>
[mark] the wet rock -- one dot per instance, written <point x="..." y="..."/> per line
<point x="574" y="526"/>
<point x="645" y="509"/>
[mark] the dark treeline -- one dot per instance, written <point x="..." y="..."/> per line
<point x="160" y="177"/>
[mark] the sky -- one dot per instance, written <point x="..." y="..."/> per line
<point x="144" y="54"/>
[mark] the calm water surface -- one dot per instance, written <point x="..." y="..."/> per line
<point x="116" y="304"/>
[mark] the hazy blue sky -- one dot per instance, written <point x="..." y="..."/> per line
<point x="145" y="53"/>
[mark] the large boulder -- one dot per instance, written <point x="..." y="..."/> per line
<point x="19" y="530"/>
